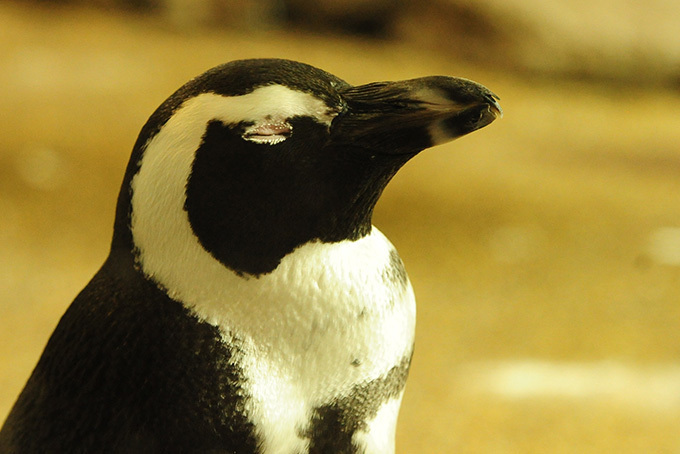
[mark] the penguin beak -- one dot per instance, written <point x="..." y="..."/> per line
<point x="409" y="116"/>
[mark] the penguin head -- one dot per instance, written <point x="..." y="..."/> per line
<point x="257" y="157"/>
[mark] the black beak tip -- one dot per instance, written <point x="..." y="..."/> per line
<point x="488" y="110"/>
<point x="476" y="116"/>
<point x="477" y="105"/>
<point x="493" y="106"/>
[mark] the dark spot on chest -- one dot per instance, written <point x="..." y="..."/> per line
<point x="395" y="273"/>
<point x="333" y="426"/>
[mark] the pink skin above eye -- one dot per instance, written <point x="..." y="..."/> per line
<point x="268" y="133"/>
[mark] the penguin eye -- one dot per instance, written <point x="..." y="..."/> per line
<point x="268" y="133"/>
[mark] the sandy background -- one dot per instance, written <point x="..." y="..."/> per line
<point x="544" y="250"/>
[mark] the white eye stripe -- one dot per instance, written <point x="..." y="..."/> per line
<point x="268" y="133"/>
<point x="272" y="104"/>
<point x="159" y="187"/>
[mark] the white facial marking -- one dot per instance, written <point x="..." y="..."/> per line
<point x="301" y="326"/>
<point x="274" y="103"/>
<point x="159" y="221"/>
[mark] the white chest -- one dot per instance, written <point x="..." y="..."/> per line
<point x="330" y="318"/>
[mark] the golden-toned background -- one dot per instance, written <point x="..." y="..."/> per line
<point x="544" y="249"/>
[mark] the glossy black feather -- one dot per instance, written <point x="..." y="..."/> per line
<point x="128" y="370"/>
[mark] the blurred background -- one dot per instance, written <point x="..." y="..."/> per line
<point x="544" y="250"/>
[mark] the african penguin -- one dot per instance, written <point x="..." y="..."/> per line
<point x="247" y="304"/>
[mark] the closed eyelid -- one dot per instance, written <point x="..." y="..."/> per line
<point x="269" y="133"/>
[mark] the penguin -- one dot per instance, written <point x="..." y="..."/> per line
<point x="248" y="305"/>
